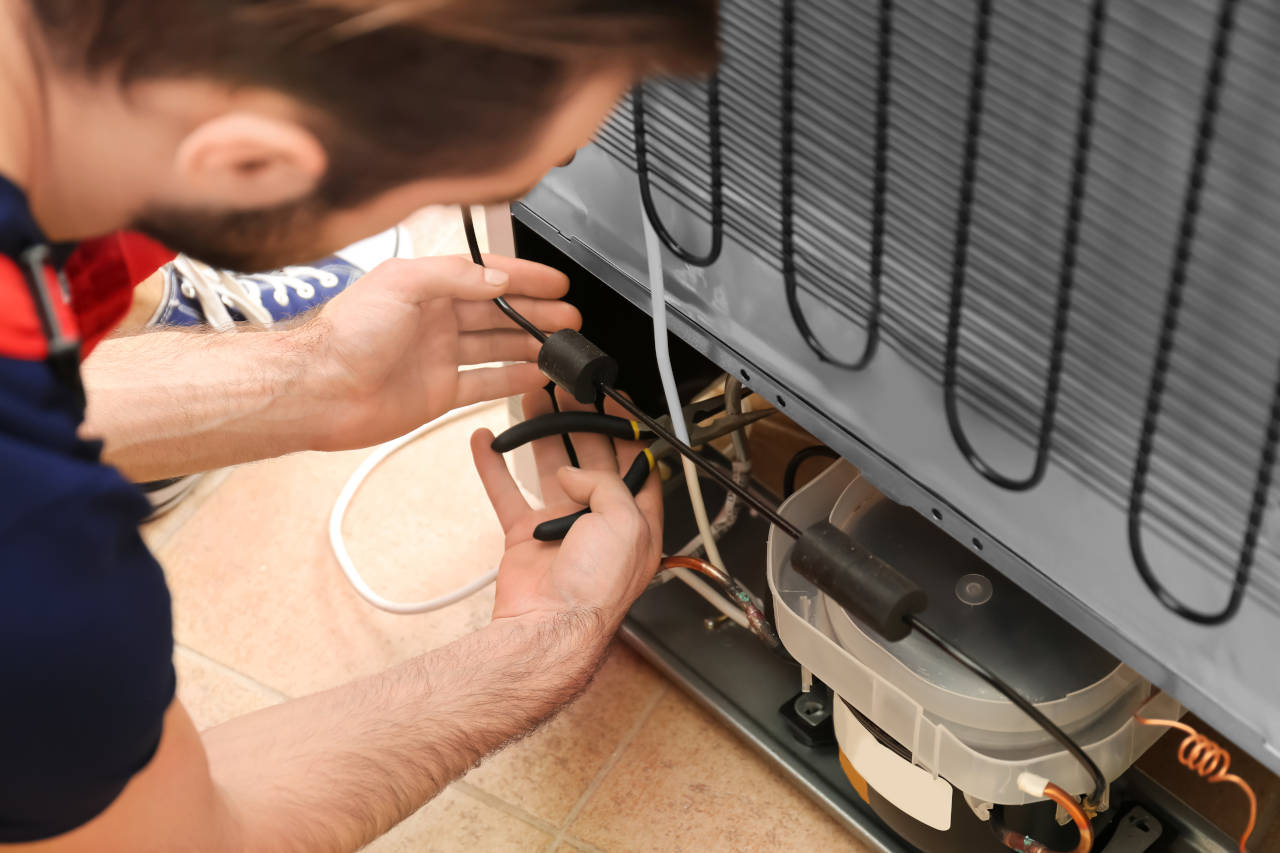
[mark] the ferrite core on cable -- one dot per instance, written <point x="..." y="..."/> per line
<point x="857" y="580"/>
<point x="576" y="365"/>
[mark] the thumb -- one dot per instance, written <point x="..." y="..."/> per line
<point x="603" y="491"/>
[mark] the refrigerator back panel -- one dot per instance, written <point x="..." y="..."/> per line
<point x="1015" y="259"/>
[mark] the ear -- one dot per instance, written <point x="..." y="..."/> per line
<point x="248" y="160"/>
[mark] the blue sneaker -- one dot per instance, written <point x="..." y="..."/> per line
<point x="199" y="295"/>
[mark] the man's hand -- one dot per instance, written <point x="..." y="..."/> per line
<point x="609" y="555"/>
<point x="385" y="354"/>
<point x="382" y="358"/>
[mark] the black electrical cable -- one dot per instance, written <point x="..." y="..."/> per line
<point x="1025" y="705"/>
<point x="715" y="143"/>
<point x="791" y="529"/>
<point x="879" y="195"/>
<point x="793" y="465"/>
<point x="468" y="226"/>
<point x="569" y="450"/>
<point x="473" y="245"/>
<point x="1067" y="266"/>
<point x="1209" y="106"/>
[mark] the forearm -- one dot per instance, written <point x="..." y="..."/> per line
<point x="172" y="402"/>
<point x="335" y="770"/>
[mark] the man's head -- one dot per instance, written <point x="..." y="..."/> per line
<point x="276" y="129"/>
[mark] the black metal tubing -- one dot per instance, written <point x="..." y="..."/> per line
<point x="716" y="145"/>
<point x="1038" y="717"/>
<point x="793" y="465"/>
<point x="879" y="195"/>
<point x="1209" y="107"/>
<point x="1067" y="265"/>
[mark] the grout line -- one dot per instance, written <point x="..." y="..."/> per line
<point x="234" y="673"/>
<point x="606" y="768"/>
<point x="580" y="845"/>
<point x="189" y="507"/>
<point x="503" y="806"/>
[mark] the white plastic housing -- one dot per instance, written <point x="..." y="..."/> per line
<point x="928" y="721"/>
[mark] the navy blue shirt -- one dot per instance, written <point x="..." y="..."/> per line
<point x="86" y="641"/>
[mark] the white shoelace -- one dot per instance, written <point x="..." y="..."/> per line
<point x="218" y="290"/>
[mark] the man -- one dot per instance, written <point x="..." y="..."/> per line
<point x="250" y="134"/>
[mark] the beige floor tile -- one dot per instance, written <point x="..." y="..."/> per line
<point x="157" y="533"/>
<point x="687" y="784"/>
<point x="438" y="231"/>
<point x="574" y="845"/>
<point x="455" y="822"/>
<point x="213" y="694"/>
<point x="547" y="773"/>
<point x="256" y="587"/>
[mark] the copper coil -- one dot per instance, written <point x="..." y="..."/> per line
<point x="1210" y="760"/>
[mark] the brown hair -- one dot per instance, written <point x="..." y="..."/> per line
<point x="403" y="88"/>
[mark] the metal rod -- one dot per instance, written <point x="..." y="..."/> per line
<point x="711" y="470"/>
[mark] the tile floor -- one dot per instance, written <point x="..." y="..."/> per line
<point x="262" y="613"/>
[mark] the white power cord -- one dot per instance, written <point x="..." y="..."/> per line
<point x="658" y="308"/>
<point x="339" y="545"/>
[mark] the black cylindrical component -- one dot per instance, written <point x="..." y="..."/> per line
<point x="857" y="580"/>
<point x="576" y="365"/>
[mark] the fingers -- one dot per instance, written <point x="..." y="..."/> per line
<point x="497" y="383"/>
<point x="418" y="279"/>
<point x="505" y="496"/>
<point x="484" y="347"/>
<point x="529" y="278"/>
<point x="544" y="313"/>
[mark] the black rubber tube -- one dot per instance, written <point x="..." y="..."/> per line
<point x="858" y="580"/>
<point x="559" y="424"/>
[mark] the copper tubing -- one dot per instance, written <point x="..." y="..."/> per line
<point x="1072" y="807"/>
<point x="758" y="622"/>
<point x="702" y="567"/>
<point x="1026" y="844"/>
<point x="1209" y="760"/>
